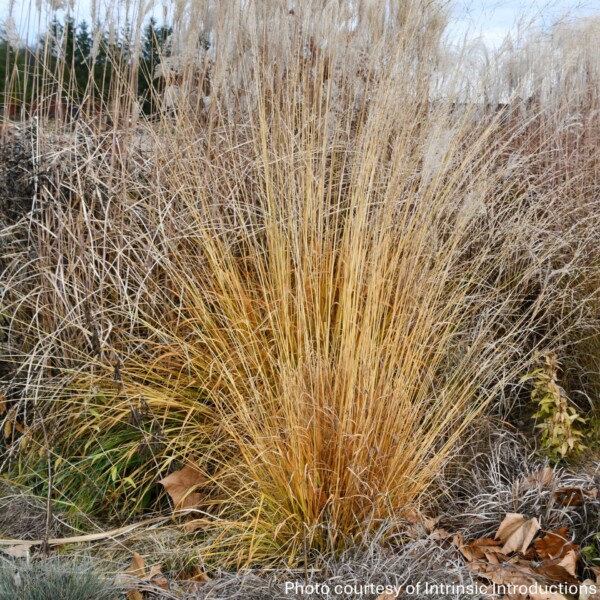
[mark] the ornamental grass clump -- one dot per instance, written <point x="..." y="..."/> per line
<point x="309" y="284"/>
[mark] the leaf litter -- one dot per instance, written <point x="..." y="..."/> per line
<point x="527" y="563"/>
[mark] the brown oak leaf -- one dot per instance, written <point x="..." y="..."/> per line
<point x="138" y="566"/>
<point x="516" y="533"/>
<point x="181" y="486"/>
<point x="562" y="569"/>
<point x="569" y="496"/>
<point x="555" y="544"/>
<point x="540" y="479"/>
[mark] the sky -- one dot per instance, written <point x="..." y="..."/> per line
<point x="489" y="20"/>
<point x="493" y="20"/>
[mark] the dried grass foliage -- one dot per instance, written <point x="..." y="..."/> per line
<point x="311" y="281"/>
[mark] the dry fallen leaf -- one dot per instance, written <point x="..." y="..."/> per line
<point x="156" y="578"/>
<point x="530" y="554"/>
<point x="488" y="558"/>
<point x="199" y="576"/>
<point x="517" y="575"/>
<point x="481" y="549"/>
<point x="193" y="581"/>
<point x="555" y="544"/>
<point x="154" y="571"/>
<point x="516" y="533"/>
<point x="137" y="568"/>
<point x="506" y="574"/>
<point x="134" y="595"/>
<point x="16" y="551"/>
<point x="181" y="484"/>
<point x="540" y="479"/>
<point x="589" y="590"/>
<point x="569" y="496"/>
<point x="194" y="525"/>
<point x="11" y="423"/>
<point x="440" y="534"/>
<point x="160" y="582"/>
<point x="560" y="570"/>
<point x="416" y="518"/>
<point x="509" y="525"/>
<point x="569" y="562"/>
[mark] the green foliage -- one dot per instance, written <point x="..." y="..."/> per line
<point x="154" y="47"/>
<point x="76" y="71"/>
<point x="110" y="464"/>
<point x="51" y="580"/>
<point x="593" y="427"/>
<point x="559" y="421"/>
<point x="15" y="84"/>
<point x="591" y="551"/>
<point x="64" y="62"/>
